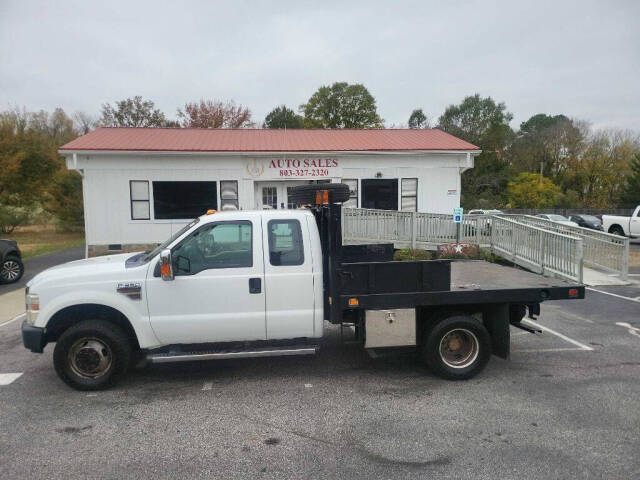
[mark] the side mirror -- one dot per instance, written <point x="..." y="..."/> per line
<point x="166" y="267"/>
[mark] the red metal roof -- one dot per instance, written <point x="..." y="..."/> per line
<point x="266" y="140"/>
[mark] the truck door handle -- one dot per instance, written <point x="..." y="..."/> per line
<point x="255" y="285"/>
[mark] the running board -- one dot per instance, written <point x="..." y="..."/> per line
<point x="257" y="352"/>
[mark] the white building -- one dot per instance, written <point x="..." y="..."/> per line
<point x="141" y="184"/>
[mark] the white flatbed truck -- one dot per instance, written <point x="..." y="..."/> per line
<point x="262" y="283"/>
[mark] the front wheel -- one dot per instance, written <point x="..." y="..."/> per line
<point x="92" y="355"/>
<point x="456" y="348"/>
<point x="11" y="269"/>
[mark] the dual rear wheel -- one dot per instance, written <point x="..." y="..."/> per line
<point x="456" y="348"/>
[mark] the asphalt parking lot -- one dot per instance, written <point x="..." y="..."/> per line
<point x="566" y="405"/>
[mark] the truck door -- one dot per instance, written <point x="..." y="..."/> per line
<point x="217" y="294"/>
<point x="634" y="224"/>
<point x="288" y="278"/>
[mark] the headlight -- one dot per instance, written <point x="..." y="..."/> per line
<point x="32" y="301"/>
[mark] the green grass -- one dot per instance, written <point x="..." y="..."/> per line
<point x="35" y="240"/>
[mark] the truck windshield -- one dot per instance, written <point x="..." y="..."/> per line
<point x="169" y="241"/>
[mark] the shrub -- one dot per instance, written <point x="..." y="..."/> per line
<point x="11" y="217"/>
<point x="408" y="254"/>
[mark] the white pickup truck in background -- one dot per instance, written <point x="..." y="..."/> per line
<point x="623" y="226"/>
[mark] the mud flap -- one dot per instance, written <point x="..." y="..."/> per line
<point x="496" y="321"/>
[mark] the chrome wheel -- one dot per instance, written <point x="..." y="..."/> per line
<point x="459" y="348"/>
<point x="10" y="270"/>
<point x="90" y="358"/>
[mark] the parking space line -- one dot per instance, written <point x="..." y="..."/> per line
<point x="535" y="350"/>
<point x="635" y="331"/>
<point x="8" y="378"/>
<point x="13" y="319"/>
<point x="614" y="295"/>
<point x="559" y="335"/>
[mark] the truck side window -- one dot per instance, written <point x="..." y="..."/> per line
<point x="285" y="243"/>
<point x="218" y="245"/>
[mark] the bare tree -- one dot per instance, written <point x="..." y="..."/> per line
<point x="132" y="112"/>
<point x="215" y="114"/>
<point x="84" y="122"/>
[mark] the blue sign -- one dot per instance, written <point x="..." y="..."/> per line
<point x="457" y="215"/>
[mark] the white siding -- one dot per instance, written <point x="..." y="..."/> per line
<point x="107" y="198"/>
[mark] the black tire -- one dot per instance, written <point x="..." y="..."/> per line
<point x="617" y="230"/>
<point x="11" y="269"/>
<point x="306" y="194"/>
<point x="441" y="362"/>
<point x="85" y="339"/>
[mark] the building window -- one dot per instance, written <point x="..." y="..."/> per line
<point x="285" y="243"/>
<point x="183" y="200"/>
<point x="409" y="192"/>
<point x="381" y="194"/>
<point x="290" y="205"/>
<point x="270" y="197"/>
<point x="139" y="192"/>
<point x="352" y="183"/>
<point x="229" y="195"/>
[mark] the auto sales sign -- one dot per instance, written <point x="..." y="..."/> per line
<point x="290" y="168"/>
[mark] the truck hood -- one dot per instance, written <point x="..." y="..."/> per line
<point x="80" y="271"/>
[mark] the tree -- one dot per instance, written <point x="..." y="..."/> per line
<point x="484" y="123"/>
<point x="31" y="169"/>
<point x="341" y="106"/>
<point x="530" y="190"/>
<point x="599" y="174"/>
<point x="84" y="122"/>
<point x="132" y="112"/>
<point x="418" y="119"/>
<point x="547" y="142"/>
<point x="283" y="117"/>
<point x="214" y="114"/>
<point x="631" y="193"/>
<point x="64" y="199"/>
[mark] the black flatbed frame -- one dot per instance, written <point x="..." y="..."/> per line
<point x="386" y="285"/>
<point x="476" y="282"/>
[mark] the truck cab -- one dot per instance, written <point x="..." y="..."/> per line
<point x="234" y="276"/>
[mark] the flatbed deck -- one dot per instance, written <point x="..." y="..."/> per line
<point x="474" y="274"/>
<point x="476" y="282"/>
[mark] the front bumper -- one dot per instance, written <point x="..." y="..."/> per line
<point x="33" y="338"/>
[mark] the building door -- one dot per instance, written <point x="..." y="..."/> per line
<point x="380" y="193"/>
<point x="274" y="195"/>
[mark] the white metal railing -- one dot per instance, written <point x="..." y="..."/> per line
<point x="411" y="229"/>
<point x="541" y="250"/>
<point x="602" y="250"/>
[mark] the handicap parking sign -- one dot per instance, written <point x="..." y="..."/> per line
<point x="457" y="214"/>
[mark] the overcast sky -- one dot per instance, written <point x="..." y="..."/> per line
<point x="580" y="58"/>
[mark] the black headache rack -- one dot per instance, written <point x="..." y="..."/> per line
<point x="384" y="284"/>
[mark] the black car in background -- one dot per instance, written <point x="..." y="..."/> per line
<point x="11" y="267"/>
<point x="586" y="221"/>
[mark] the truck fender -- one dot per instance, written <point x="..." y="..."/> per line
<point x="140" y="323"/>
